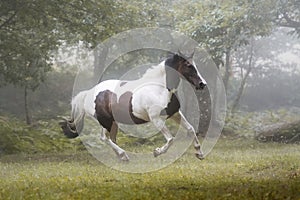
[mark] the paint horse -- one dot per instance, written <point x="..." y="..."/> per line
<point x="136" y="102"/>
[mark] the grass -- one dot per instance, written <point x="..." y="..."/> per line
<point x="235" y="169"/>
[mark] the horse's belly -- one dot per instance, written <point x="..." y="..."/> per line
<point x="110" y="85"/>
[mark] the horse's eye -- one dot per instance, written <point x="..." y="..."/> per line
<point x="190" y="66"/>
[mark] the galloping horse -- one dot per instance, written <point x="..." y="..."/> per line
<point x="136" y="102"/>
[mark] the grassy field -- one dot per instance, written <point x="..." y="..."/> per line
<point x="235" y="169"/>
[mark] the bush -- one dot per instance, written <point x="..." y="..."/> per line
<point x="17" y="137"/>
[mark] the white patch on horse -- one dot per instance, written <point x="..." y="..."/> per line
<point x="198" y="73"/>
<point x="147" y="91"/>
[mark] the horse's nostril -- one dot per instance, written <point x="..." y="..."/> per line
<point x="201" y="86"/>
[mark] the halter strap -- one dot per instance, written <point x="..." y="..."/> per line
<point x="173" y="91"/>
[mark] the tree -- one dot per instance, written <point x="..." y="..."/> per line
<point x="244" y="76"/>
<point x="31" y="30"/>
<point x="287" y="15"/>
<point x="223" y="26"/>
<point x="24" y="47"/>
<point x="274" y="81"/>
<point x="259" y="65"/>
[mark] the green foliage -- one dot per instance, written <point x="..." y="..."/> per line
<point x="273" y="81"/>
<point x="271" y="87"/>
<point x="248" y="124"/>
<point x="220" y="26"/>
<point x="17" y="137"/>
<point x="31" y="30"/>
<point x="288" y="15"/>
<point x="234" y="170"/>
<point x="51" y="99"/>
<point x="26" y="40"/>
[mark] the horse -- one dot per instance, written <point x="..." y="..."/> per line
<point x="138" y="101"/>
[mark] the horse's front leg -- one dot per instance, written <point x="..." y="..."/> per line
<point x="183" y="121"/>
<point x="159" y="123"/>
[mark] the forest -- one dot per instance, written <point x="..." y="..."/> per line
<point x="254" y="45"/>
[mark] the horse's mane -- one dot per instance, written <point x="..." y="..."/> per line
<point x="155" y="71"/>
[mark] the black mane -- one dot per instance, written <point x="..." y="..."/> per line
<point x="171" y="67"/>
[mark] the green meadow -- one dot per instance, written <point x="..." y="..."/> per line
<point x="235" y="169"/>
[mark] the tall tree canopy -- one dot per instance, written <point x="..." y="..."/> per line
<point x="288" y="15"/>
<point x="30" y="30"/>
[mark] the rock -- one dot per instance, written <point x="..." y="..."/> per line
<point x="281" y="132"/>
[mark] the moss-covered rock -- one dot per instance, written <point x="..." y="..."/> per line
<point x="282" y="132"/>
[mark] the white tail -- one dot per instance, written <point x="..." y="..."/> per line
<point x="78" y="113"/>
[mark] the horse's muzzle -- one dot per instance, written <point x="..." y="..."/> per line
<point x="200" y="86"/>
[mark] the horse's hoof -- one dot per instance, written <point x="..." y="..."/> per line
<point x="124" y="157"/>
<point x="156" y="152"/>
<point x="200" y="156"/>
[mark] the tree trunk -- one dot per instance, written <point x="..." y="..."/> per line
<point x="243" y="83"/>
<point x="284" y="133"/>
<point x="227" y="69"/>
<point x="100" y="54"/>
<point x="26" y="106"/>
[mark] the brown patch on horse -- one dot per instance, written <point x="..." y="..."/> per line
<point x="186" y="68"/>
<point x="172" y="107"/>
<point x="189" y="72"/>
<point x="103" y="109"/>
<point x="109" y="110"/>
<point x="113" y="132"/>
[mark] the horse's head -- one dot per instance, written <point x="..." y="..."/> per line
<point x="186" y="67"/>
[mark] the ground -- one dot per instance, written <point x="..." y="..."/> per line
<point x="235" y="169"/>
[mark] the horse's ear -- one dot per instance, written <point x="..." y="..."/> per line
<point x="177" y="57"/>
<point x="170" y="54"/>
<point x="192" y="55"/>
<point x="180" y="54"/>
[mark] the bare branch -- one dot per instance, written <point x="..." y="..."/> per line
<point x="289" y="22"/>
<point x="8" y="20"/>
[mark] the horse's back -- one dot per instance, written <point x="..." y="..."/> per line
<point x="143" y="101"/>
<point x="105" y="85"/>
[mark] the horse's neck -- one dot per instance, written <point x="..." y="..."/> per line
<point x="165" y="74"/>
<point x="172" y="79"/>
<point x="155" y="72"/>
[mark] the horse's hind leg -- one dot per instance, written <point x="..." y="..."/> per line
<point x="113" y="132"/>
<point x="183" y="121"/>
<point x="111" y="141"/>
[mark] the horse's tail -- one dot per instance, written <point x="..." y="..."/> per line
<point x="73" y="127"/>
